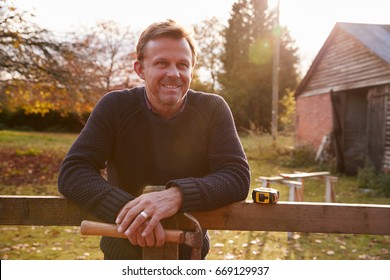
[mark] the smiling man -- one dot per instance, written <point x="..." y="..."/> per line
<point x="162" y="133"/>
<point x="166" y="68"/>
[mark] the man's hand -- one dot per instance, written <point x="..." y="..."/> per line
<point x="156" y="238"/>
<point x="156" y="205"/>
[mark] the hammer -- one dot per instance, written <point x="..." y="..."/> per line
<point x="193" y="239"/>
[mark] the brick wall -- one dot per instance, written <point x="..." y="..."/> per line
<point x="314" y="119"/>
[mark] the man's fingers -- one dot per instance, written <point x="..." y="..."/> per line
<point x="155" y="238"/>
<point x="122" y="213"/>
<point x="150" y="240"/>
<point x="130" y="217"/>
<point x="138" y="221"/>
<point x="159" y="234"/>
<point x="141" y="241"/>
<point x="151" y="225"/>
<point x="135" y="237"/>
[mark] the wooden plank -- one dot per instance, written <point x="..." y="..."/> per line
<point x="299" y="217"/>
<point x="40" y="210"/>
<point x="273" y="178"/>
<point x="246" y="216"/>
<point x="304" y="174"/>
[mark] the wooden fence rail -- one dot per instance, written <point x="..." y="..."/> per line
<point x="246" y="216"/>
<point x="241" y="216"/>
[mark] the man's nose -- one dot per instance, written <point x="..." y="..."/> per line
<point x="172" y="71"/>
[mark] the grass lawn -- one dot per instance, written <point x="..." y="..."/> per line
<point x="22" y="152"/>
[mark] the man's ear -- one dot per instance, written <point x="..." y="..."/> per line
<point x="139" y="69"/>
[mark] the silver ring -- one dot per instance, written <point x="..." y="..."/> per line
<point x="143" y="214"/>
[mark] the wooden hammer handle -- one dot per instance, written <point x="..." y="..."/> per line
<point x="104" y="229"/>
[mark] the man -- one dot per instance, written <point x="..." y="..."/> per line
<point x="162" y="133"/>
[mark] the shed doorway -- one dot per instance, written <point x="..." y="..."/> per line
<point x="376" y="127"/>
<point x="350" y="129"/>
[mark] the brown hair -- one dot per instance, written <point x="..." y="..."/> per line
<point x="168" y="28"/>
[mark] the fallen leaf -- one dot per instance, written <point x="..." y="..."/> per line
<point x="229" y="256"/>
<point x="56" y="249"/>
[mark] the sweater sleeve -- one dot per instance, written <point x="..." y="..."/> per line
<point x="229" y="177"/>
<point x="80" y="179"/>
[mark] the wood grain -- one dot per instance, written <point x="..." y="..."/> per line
<point x="246" y="216"/>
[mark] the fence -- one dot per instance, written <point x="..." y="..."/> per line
<point x="244" y="216"/>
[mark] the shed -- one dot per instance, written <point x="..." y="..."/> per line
<point x="345" y="97"/>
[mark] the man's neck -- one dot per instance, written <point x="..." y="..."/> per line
<point x="166" y="112"/>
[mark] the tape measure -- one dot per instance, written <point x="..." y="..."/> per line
<point x="265" y="195"/>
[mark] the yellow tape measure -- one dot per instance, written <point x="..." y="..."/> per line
<point x="265" y="195"/>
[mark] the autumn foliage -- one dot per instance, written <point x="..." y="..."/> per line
<point x="40" y="73"/>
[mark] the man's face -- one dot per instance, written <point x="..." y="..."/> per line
<point x="167" y="72"/>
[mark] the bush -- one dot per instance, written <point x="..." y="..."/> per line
<point x="301" y="156"/>
<point x="53" y="121"/>
<point x="369" y="178"/>
<point x="384" y="184"/>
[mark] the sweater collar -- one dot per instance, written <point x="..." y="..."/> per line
<point x="151" y="109"/>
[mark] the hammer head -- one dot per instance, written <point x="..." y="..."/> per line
<point x="194" y="239"/>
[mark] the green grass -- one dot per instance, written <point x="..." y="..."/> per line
<point x="266" y="158"/>
<point x="34" y="141"/>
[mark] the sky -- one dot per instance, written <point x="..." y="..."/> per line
<point x="309" y="21"/>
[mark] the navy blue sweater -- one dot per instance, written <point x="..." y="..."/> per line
<point x="197" y="150"/>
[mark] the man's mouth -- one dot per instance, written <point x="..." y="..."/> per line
<point x="171" y="86"/>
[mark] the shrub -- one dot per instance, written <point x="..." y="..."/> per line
<point x="369" y="178"/>
<point x="384" y="184"/>
<point x="53" y="121"/>
<point x="301" y="156"/>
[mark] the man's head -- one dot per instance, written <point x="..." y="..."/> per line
<point x="166" y="58"/>
<point x="168" y="28"/>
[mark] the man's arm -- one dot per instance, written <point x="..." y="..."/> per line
<point x="80" y="179"/>
<point x="229" y="178"/>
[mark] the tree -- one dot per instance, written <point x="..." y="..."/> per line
<point x="108" y="52"/>
<point x="32" y="66"/>
<point x="27" y="51"/>
<point x="39" y="74"/>
<point x="208" y="35"/>
<point x="287" y="117"/>
<point x="247" y="64"/>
